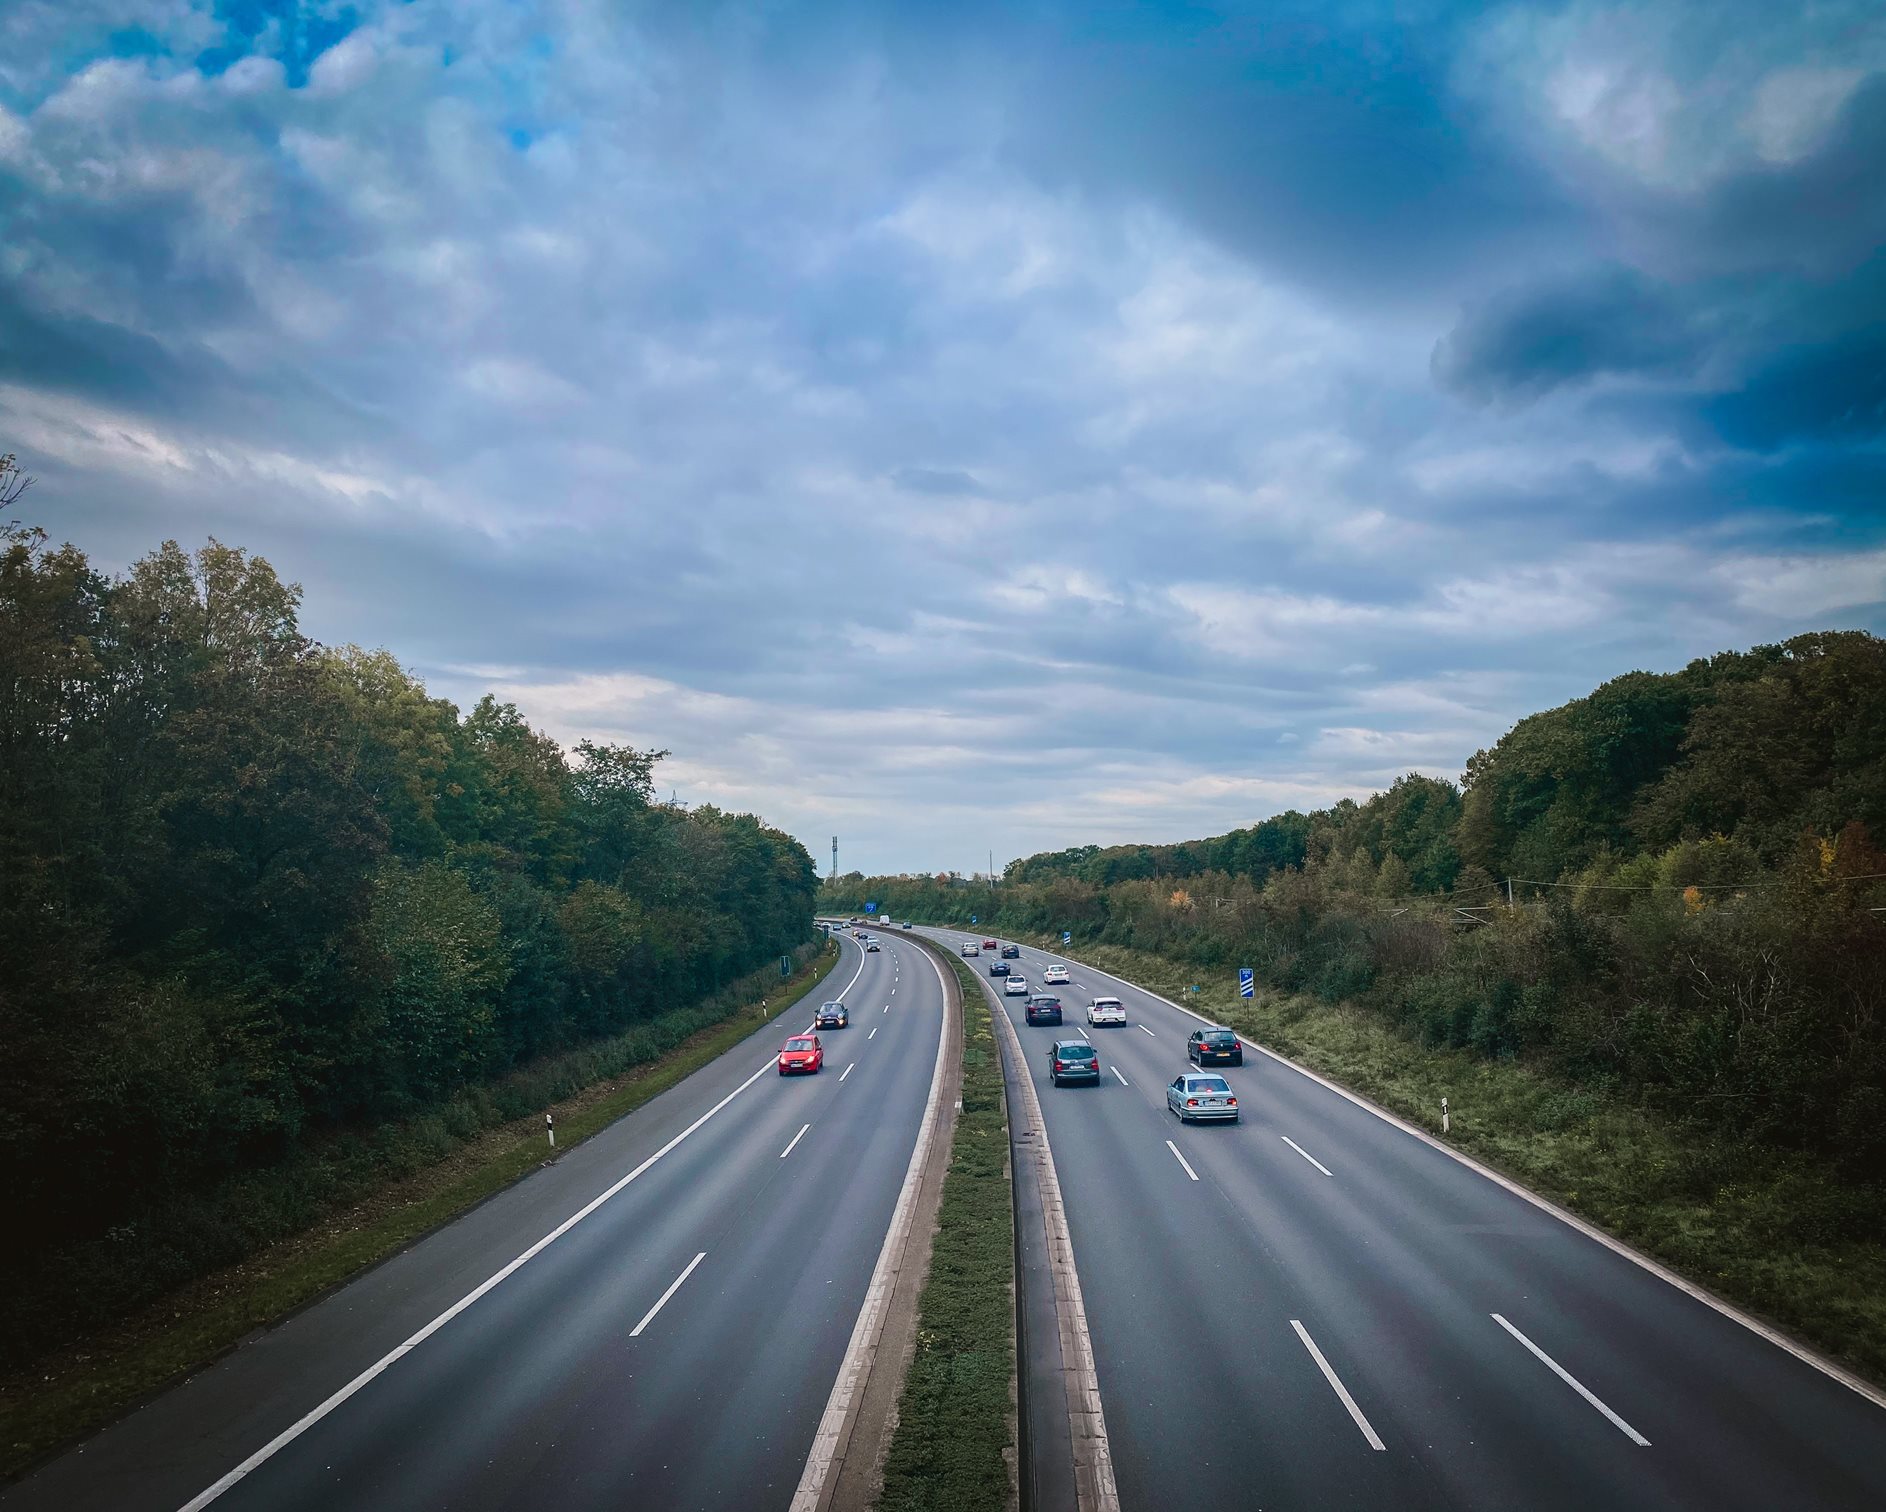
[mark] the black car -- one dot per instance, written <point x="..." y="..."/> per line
<point x="998" y="968"/>
<point x="833" y="1016"/>
<point x="1011" y="952"/>
<point x="1215" y="1046"/>
<point x="1072" y="1060"/>
<point x="1044" y="1008"/>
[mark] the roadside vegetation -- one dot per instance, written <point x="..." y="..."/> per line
<point x="278" y="923"/>
<point x="954" y="1445"/>
<point x="345" y="1204"/>
<point x="1642" y="949"/>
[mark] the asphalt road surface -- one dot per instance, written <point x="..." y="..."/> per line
<point x="1314" y="1309"/>
<point x="674" y="1348"/>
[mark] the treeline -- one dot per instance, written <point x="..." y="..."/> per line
<point x="1758" y="746"/>
<point x="254" y="890"/>
<point x="1701" y="905"/>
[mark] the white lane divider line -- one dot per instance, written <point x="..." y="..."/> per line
<point x="797" y="1137"/>
<point x="1337" y="1386"/>
<point x="1083" y="1035"/>
<point x="1304" y="1153"/>
<point x="1182" y="1160"/>
<point x="288" y="1435"/>
<point x="1144" y="1030"/>
<point x="887" y="1007"/>
<point x="1116" y="1071"/>
<point x="873" y="1034"/>
<point x="1572" y="1381"/>
<point x="662" y="1301"/>
<point x="848" y="1070"/>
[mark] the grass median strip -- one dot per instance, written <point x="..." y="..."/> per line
<point x="63" y="1399"/>
<point x="1763" y="1227"/>
<point x="955" y="1420"/>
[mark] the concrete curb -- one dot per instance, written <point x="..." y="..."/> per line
<point x="845" y="1469"/>
<point x="1094" y="1486"/>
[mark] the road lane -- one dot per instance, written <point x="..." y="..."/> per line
<point x="1395" y="1263"/>
<point x="543" y="1392"/>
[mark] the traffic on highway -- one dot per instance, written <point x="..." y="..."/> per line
<point x="1296" y="1301"/>
<point x="658" y="1318"/>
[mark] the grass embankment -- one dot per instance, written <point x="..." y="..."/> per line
<point x="956" y="1420"/>
<point x="1757" y="1225"/>
<point x="392" y="1187"/>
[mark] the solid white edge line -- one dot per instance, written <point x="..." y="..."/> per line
<point x="1182" y="1160"/>
<point x="797" y="1137"/>
<point x="1570" y="1219"/>
<point x="1337" y="1386"/>
<point x="877" y="1297"/>
<point x="1572" y="1381"/>
<point x="1116" y="1071"/>
<point x="288" y="1435"/>
<point x="848" y="1070"/>
<point x="662" y="1301"/>
<point x="1300" y="1150"/>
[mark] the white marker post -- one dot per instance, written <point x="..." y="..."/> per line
<point x="550" y="1128"/>
<point x="1445" y="1125"/>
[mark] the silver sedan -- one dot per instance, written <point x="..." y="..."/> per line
<point x="1199" y="1095"/>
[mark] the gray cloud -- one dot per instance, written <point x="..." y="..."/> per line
<point x="971" y="428"/>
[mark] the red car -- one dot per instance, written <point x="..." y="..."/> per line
<point x="988" y="944"/>
<point x="803" y="1052"/>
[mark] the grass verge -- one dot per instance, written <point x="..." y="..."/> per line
<point x="955" y="1437"/>
<point x="1758" y="1226"/>
<point x="62" y="1399"/>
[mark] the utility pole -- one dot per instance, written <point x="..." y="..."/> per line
<point x="834" y="858"/>
<point x="991" y="871"/>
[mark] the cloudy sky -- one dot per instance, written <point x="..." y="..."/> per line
<point x="967" y="427"/>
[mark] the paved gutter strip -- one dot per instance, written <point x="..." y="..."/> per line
<point x="1094" y="1486"/>
<point x="848" y="1452"/>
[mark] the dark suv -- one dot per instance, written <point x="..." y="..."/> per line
<point x="1011" y="952"/>
<point x="998" y="968"/>
<point x="1044" y="1008"/>
<point x="1073" y="1060"/>
<point x="1215" y="1047"/>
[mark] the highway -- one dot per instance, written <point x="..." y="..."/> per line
<point x="674" y="1347"/>
<point x="1316" y="1309"/>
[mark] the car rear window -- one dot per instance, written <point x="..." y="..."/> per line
<point x="1106" y="1002"/>
<point x="1045" y="1002"/>
<point x="1075" y="1052"/>
<point x="1210" y="1084"/>
<point x="1220" y="1037"/>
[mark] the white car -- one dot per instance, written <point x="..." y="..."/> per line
<point x="1106" y="1011"/>
<point x="1054" y="976"/>
<point x="971" y="948"/>
<point x="1015" y="987"/>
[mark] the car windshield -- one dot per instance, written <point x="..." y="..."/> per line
<point x="1209" y="1084"/>
<point x="1075" y="1052"/>
<point x="834" y="1007"/>
<point x="799" y="1044"/>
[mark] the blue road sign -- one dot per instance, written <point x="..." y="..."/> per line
<point x="972" y="918"/>
<point x="1067" y="937"/>
<point x="1247" y="982"/>
<point x="870" y="908"/>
